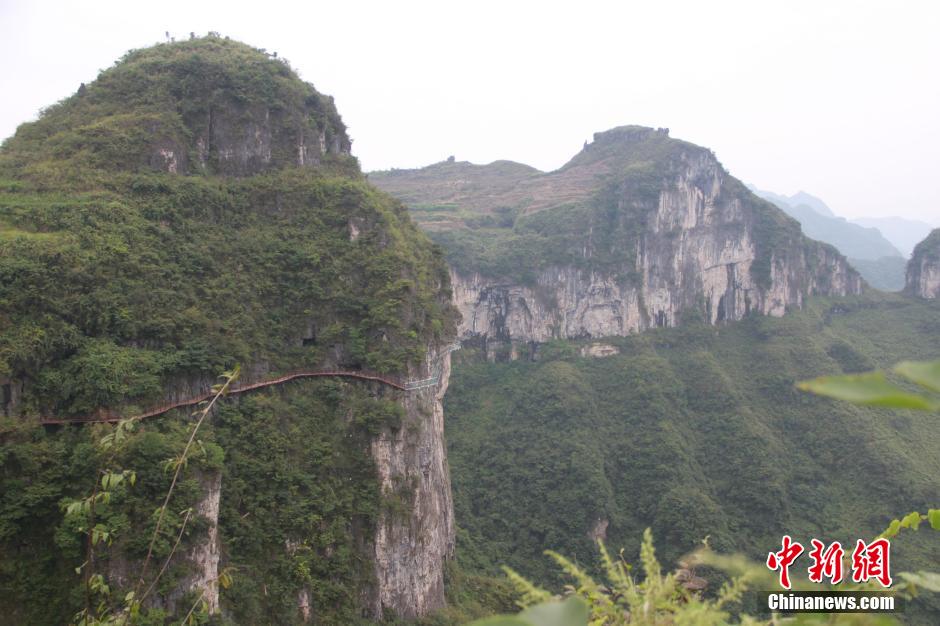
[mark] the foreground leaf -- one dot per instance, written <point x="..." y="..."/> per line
<point x="925" y="580"/>
<point x="571" y="612"/>
<point x="924" y="373"/>
<point x="872" y="389"/>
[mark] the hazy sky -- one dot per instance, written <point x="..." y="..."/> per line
<point x="840" y="99"/>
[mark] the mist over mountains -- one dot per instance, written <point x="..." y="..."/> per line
<point x="904" y="233"/>
<point x="877" y="247"/>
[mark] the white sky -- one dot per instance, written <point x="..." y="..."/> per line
<point x="841" y="99"/>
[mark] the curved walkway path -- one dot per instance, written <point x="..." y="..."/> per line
<point x="411" y="385"/>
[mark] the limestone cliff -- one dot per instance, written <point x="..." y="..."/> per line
<point x="923" y="270"/>
<point x="636" y="231"/>
<point x="410" y="548"/>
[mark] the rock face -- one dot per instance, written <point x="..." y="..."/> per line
<point x="923" y="270"/>
<point x="204" y="556"/>
<point x="411" y="546"/>
<point x="653" y="231"/>
<point x="241" y="141"/>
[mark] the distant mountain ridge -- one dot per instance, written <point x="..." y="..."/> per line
<point x="902" y="232"/>
<point x="880" y="263"/>
<point x="819" y="222"/>
<point x="797" y="199"/>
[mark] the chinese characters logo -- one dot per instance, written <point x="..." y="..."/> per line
<point x="870" y="561"/>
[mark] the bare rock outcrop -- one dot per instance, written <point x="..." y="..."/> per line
<point x="923" y="270"/>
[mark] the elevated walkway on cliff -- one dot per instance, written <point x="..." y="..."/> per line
<point x="402" y="385"/>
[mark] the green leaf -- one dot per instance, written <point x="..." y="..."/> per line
<point x="933" y="516"/>
<point x="571" y="612"/>
<point x="893" y="529"/>
<point x="871" y="388"/>
<point x="911" y="520"/>
<point x="924" y="373"/>
<point x="500" y="620"/>
<point x="925" y="580"/>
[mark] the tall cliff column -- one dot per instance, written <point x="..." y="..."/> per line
<point x="411" y="545"/>
<point x="923" y="270"/>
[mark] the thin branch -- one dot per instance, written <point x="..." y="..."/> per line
<point x="166" y="563"/>
<point x="179" y="467"/>
<point x="195" y="604"/>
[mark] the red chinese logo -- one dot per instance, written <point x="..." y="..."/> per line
<point x="783" y="559"/>
<point x="826" y="563"/>
<point x="871" y="561"/>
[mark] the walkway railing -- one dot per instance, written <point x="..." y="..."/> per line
<point x="411" y="385"/>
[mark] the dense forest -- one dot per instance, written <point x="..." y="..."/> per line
<point x="694" y="432"/>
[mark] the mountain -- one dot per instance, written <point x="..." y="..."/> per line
<point x="634" y="324"/>
<point x="194" y="208"/>
<point x="903" y="233"/>
<point x="637" y="231"/>
<point x="816" y="204"/>
<point x="800" y="198"/>
<point x="818" y="222"/>
<point x="923" y="270"/>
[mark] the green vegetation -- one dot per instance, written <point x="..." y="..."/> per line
<point x="291" y="469"/>
<point x="874" y="388"/>
<point x="45" y="473"/>
<point x="625" y="599"/>
<point x="294" y="471"/>
<point x="695" y="431"/>
<point x="114" y="283"/>
<point x="167" y="276"/>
